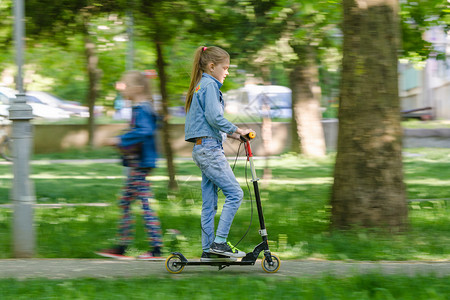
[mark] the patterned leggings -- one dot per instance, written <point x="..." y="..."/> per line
<point x="137" y="187"/>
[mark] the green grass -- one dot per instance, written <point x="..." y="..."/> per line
<point x="79" y="120"/>
<point x="359" y="287"/>
<point x="295" y="205"/>
<point x="83" y="153"/>
<point x="417" y="124"/>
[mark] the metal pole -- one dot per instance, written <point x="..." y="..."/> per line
<point x="20" y="113"/>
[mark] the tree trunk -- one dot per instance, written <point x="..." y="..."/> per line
<point x="368" y="188"/>
<point x="93" y="86"/>
<point x="295" y="143"/>
<point x="165" y="111"/>
<point x="306" y="105"/>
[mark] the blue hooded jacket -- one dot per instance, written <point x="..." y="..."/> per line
<point x="143" y="128"/>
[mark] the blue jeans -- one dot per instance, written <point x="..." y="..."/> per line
<point x="216" y="173"/>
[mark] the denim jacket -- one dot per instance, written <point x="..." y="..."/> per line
<point x="143" y="128"/>
<point x="205" y="116"/>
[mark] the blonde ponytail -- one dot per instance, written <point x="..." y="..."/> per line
<point x="196" y="75"/>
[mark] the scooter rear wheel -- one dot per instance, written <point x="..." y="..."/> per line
<point x="173" y="264"/>
<point x="271" y="267"/>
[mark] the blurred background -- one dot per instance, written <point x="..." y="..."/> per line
<point x="284" y="82"/>
<point x="286" y="67"/>
<point x="76" y="49"/>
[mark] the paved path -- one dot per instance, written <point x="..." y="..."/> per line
<point x="110" y="268"/>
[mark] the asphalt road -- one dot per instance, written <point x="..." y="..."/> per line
<point x="110" y="268"/>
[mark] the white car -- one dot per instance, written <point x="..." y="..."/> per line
<point x="259" y="100"/>
<point x="40" y="110"/>
<point x="72" y="107"/>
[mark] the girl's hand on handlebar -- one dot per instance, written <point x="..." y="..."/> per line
<point x="244" y="132"/>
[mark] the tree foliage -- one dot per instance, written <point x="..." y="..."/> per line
<point x="255" y="32"/>
<point x="6" y="24"/>
<point x="418" y="16"/>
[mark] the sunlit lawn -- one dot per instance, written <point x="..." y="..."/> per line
<point x="433" y="124"/>
<point x="373" y="286"/>
<point x="295" y="204"/>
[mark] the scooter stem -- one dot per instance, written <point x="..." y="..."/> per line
<point x="248" y="151"/>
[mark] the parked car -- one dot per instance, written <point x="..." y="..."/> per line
<point x="259" y="100"/>
<point x="4" y="104"/>
<point x="7" y="95"/>
<point x="71" y="106"/>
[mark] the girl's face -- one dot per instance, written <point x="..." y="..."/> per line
<point x="220" y="71"/>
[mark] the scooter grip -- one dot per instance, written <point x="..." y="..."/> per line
<point x="248" y="136"/>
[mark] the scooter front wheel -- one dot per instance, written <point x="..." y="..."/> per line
<point x="273" y="266"/>
<point x="173" y="264"/>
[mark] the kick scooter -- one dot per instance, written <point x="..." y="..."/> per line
<point x="176" y="262"/>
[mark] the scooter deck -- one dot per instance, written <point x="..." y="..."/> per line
<point x="218" y="263"/>
<point x="248" y="260"/>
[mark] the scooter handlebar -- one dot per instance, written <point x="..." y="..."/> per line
<point x="248" y="136"/>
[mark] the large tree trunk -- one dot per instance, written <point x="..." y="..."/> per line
<point x="93" y="82"/>
<point x="306" y="105"/>
<point x="165" y="111"/>
<point x="368" y="185"/>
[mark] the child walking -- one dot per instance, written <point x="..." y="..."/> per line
<point x="141" y="137"/>
<point x="207" y="128"/>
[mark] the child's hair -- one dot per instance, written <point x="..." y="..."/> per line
<point x="137" y="78"/>
<point x="203" y="56"/>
